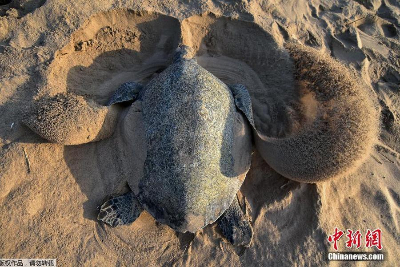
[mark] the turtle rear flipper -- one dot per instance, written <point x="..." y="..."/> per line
<point x="235" y="226"/>
<point x="120" y="210"/>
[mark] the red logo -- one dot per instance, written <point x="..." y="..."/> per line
<point x="372" y="238"/>
<point x="335" y="237"/>
<point x="353" y="239"/>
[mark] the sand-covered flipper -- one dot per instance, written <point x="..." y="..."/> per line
<point x="235" y="226"/>
<point x="71" y="120"/>
<point x="120" y="210"/>
<point x="340" y="122"/>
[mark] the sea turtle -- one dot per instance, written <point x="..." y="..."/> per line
<point x="193" y="167"/>
<point x="198" y="134"/>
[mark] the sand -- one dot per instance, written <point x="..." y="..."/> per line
<point x="50" y="192"/>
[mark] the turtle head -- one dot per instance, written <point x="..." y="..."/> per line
<point x="183" y="52"/>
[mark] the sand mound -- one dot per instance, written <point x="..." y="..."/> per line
<point x="71" y="120"/>
<point x="340" y="120"/>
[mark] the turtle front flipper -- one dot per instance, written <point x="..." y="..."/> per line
<point x="243" y="101"/>
<point x="120" y="210"/>
<point x="235" y="226"/>
<point x="128" y="91"/>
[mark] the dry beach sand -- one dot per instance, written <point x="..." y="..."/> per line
<point x="49" y="192"/>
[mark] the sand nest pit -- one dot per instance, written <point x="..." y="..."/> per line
<point x="111" y="48"/>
